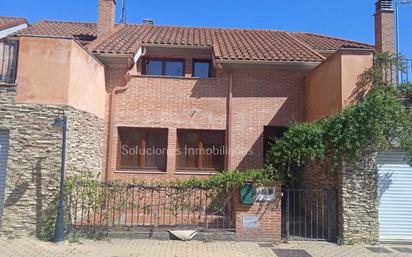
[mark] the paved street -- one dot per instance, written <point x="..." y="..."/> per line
<point x="151" y="248"/>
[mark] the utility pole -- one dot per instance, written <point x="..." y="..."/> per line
<point x="123" y="18"/>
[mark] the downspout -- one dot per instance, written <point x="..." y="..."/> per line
<point x="229" y="122"/>
<point x="109" y="129"/>
<point x="110" y="118"/>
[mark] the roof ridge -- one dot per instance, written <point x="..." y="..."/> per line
<point x="72" y="22"/>
<point x="305" y="45"/>
<point x="205" y="27"/>
<point x="333" y="37"/>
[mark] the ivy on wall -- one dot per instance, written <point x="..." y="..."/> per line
<point x="378" y="121"/>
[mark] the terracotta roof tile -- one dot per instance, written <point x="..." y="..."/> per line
<point x="83" y="31"/>
<point x="324" y="43"/>
<point x="8" y="22"/>
<point x="227" y="44"/>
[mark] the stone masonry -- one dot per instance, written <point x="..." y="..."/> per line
<point x="358" y="201"/>
<point x="35" y="156"/>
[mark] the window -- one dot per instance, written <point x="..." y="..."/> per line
<point x="8" y="61"/>
<point x="141" y="148"/>
<point x="201" y="68"/>
<point x="200" y="150"/>
<point x="164" y="68"/>
<point x="270" y="134"/>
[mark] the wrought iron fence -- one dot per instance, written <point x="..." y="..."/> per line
<point x="8" y="61"/>
<point x="149" y="208"/>
<point x="310" y="214"/>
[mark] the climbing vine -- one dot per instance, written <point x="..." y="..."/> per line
<point x="379" y="120"/>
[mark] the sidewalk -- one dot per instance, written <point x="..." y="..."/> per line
<point x="30" y="247"/>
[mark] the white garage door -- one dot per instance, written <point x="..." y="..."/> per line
<point x="4" y="149"/>
<point x="395" y="197"/>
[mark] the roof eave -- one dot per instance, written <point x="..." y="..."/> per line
<point x="176" y="46"/>
<point x="296" y="64"/>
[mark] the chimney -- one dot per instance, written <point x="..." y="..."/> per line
<point x="384" y="26"/>
<point x="106" y="22"/>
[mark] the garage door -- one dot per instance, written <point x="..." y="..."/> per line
<point x="395" y="197"/>
<point x="4" y="149"/>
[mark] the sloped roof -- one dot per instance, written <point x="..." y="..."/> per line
<point x="83" y="31"/>
<point x="227" y="44"/>
<point x="9" y="22"/>
<point x="325" y="43"/>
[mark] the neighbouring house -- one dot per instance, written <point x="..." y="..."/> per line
<point x="125" y="87"/>
<point x="10" y="25"/>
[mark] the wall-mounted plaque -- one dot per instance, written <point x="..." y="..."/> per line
<point x="250" y="221"/>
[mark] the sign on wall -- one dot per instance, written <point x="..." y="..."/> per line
<point x="250" y="221"/>
<point x="266" y="194"/>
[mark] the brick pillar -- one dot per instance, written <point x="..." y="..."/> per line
<point x="384" y="26"/>
<point x="106" y="22"/>
<point x="171" y="146"/>
<point x="268" y="215"/>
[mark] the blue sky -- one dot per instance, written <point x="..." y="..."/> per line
<point x="352" y="19"/>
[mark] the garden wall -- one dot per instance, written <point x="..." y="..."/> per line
<point x="35" y="155"/>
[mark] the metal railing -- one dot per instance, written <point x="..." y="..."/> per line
<point x="149" y="208"/>
<point x="8" y="61"/>
<point x="405" y="73"/>
<point x="310" y="214"/>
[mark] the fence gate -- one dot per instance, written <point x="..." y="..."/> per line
<point x="310" y="214"/>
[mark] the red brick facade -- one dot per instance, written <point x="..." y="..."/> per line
<point x="385" y="31"/>
<point x="269" y="217"/>
<point x="259" y="98"/>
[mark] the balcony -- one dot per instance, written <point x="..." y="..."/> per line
<point x="8" y="61"/>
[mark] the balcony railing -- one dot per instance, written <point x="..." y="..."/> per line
<point x="8" y="61"/>
<point x="405" y="74"/>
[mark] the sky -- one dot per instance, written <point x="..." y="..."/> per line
<point x="350" y="19"/>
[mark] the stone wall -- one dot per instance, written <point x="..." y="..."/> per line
<point x="358" y="202"/>
<point x="35" y="156"/>
<point x="86" y="140"/>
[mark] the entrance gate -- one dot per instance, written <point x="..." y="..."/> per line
<point x="310" y="214"/>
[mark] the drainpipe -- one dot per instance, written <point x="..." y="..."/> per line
<point x="109" y="129"/>
<point x="110" y="118"/>
<point x="229" y="122"/>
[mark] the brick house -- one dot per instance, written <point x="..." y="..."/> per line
<point x="142" y="86"/>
